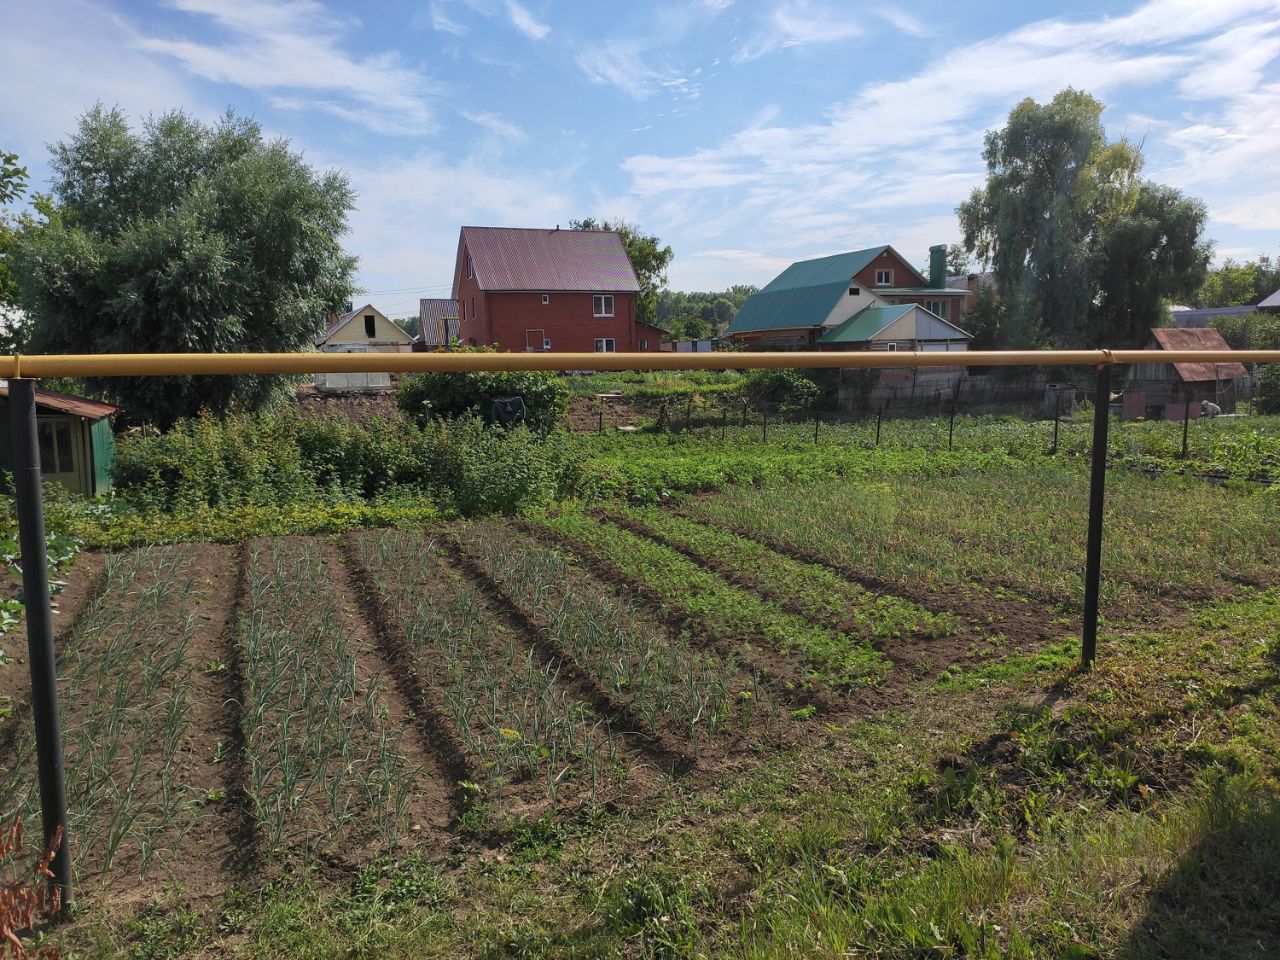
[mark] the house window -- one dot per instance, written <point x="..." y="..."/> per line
<point x="604" y="345"/>
<point x="55" y="447"/>
<point x="370" y="328"/>
<point x="644" y="344"/>
<point x="891" y="346"/>
<point x="938" y="307"/>
<point x="470" y="271"/>
<point x="884" y="278"/>
<point x="603" y="304"/>
<point x="854" y="291"/>
<point x="546" y="298"/>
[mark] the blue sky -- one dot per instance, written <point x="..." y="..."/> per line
<point x="745" y="134"/>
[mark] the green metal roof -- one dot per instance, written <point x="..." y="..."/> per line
<point x="866" y="323"/>
<point x="803" y="294"/>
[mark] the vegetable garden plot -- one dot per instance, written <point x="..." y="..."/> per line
<point x="810" y="590"/>
<point x="721" y="610"/>
<point x="324" y="767"/>
<point x="678" y="692"/>
<point x="136" y="709"/>
<point x="1021" y="531"/>
<point x="521" y="735"/>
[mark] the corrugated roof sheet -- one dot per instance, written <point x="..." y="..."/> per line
<point x="1192" y="338"/>
<point x="62" y="403"/>
<point x="866" y="323"/>
<point x="513" y="258"/>
<point x="803" y="294"/>
<point x="336" y="323"/>
<point x="438" y="320"/>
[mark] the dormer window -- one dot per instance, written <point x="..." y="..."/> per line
<point x="884" y="278"/>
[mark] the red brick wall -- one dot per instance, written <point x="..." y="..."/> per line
<point x="513" y="322"/>
<point x="903" y="276"/>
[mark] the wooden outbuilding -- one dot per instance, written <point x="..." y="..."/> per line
<point x="1163" y="385"/>
<point x="77" y="445"/>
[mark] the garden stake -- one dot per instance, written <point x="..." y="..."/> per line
<point x="815" y="426"/>
<point x="1057" y="416"/>
<point x="1186" y="419"/>
<point x="724" y="419"/>
<point x="43" y="659"/>
<point x="879" y="417"/>
<point x="1097" y="489"/>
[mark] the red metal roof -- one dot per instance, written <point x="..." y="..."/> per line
<point x="1198" y="338"/>
<point x="512" y="258"/>
<point x="77" y="406"/>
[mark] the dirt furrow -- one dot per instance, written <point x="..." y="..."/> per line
<point x="782" y="680"/>
<point x="432" y="807"/>
<point x="618" y="716"/>
<point x="434" y="726"/>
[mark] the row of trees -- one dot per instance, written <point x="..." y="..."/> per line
<point x="1239" y="284"/>
<point x="698" y="315"/>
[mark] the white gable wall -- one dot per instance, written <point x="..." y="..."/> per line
<point x="388" y="337"/>
<point x="927" y="330"/>
<point x="849" y="305"/>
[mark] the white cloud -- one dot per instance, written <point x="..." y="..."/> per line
<point x="624" y="64"/>
<point x="298" y="46"/>
<point x="443" y="23"/>
<point x="796" y="23"/>
<point x="526" y="22"/>
<point x="901" y="20"/>
<point x="496" y="125"/>
<point x="41" y="47"/>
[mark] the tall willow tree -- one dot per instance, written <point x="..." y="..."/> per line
<point x="1084" y="249"/>
<point x="183" y="237"/>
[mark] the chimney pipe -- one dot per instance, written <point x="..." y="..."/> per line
<point x="938" y="266"/>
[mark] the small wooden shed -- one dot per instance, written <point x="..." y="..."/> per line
<point x="1164" y="384"/>
<point x="77" y="446"/>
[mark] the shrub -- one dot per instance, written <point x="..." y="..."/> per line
<point x="431" y="396"/>
<point x="251" y="462"/>
<point x="782" y="387"/>
<point x="1267" y="398"/>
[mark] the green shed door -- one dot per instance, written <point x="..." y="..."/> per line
<point x="103" y="446"/>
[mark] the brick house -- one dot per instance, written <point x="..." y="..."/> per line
<point x="813" y="305"/>
<point x="563" y="291"/>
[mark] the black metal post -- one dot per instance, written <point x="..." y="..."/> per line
<point x="879" y="417"/>
<point x="724" y="419"/>
<point x="1186" y="419"/>
<point x="744" y="414"/>
<point x="815" y="426"/>
<point x="39" y="613"/>
<point x="1057" y="417"/>
<point x="951" y="430"/>
<point x="688" y="413"/>
<point x="764" y="413"/>
<point x="600" y="425"/>
<point x="1097" y="491"/>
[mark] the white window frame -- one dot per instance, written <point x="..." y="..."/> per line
<point x="606" y="345"/>
<point x="937" y="308"/>
<point x="888" y="278"/>
<point x="892" y="346"/>
<point x="599" y="302"/>
<point x="644" y="344"/>
<point x="546" y="298"/>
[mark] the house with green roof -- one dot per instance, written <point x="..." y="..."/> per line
<point x="869" y="299"/>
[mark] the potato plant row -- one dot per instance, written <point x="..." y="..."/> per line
<point x="666" y="681"/>
<point x="323" y="764"/>
<point x="124" y="679"/>
<point x="815" y="591"/>
<point x="722" y="610"/>
<point x="512" y="715"/>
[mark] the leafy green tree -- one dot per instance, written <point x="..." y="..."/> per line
<point x="13" y="184"/>
<point x="649" y="259"/>
<point x="959" y="260"/>
<point x="1084" y="250"/>
<point x="184" y="237"/>
<point x="1239" y="284"/>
